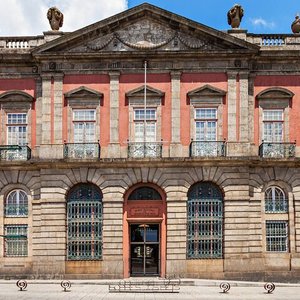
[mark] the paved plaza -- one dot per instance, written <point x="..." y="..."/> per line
<point x="87" y="290"/>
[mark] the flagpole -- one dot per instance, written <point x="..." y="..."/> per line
<point x="145" y="99"/>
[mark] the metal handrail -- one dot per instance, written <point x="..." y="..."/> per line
<point x="277" y="149"/>
<point x="207" y="148"/>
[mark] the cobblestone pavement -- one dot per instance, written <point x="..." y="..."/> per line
<point x="51" y="290"/>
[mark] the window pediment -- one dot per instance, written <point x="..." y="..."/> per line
<point x="206" y="94"/>
<point x="15" y="99"/>
<point x="275" y="97"/>
<point x="153" y="96"/>
<point x="83" y="96"/>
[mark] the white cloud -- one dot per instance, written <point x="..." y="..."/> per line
<point x="260" y="22"/>
<point x="28" y="17"/>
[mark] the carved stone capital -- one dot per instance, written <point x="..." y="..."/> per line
<point x="114" y="75"/>
<point x="175" y="75"/>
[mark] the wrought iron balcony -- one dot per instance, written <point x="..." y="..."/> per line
<point x="207" y="148"/>
<point x="277" y="150"/>
<point x="14" y="152"/>
<point x="82" y="150"/>
<point x="144" y="149"/>
<point x="16" y="210"/>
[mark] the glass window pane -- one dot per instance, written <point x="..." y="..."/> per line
<point x="275" y="201"/>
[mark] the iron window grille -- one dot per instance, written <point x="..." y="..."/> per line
<point x="84" y="223"/>
<point x="16" y="204"/>
<point x="15" y="240"/>
<point x="275" y="201"/>
<point x="277" y="236"/>
<point x="205" y="222"/>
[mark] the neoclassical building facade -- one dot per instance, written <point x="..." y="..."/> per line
<point x="147" y="144"/>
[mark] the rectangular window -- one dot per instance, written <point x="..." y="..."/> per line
<point x="205" y="228"/>
<point x="84" y="126"/>
<point x="84" y="230"/>
<point x="277" y="236"/>
<point x="273" y="125"/>
<point x="205" y="124"/>
<point x="15" y="240"/>
<point x="139" y="125"/>
<point x="17" y="129"/>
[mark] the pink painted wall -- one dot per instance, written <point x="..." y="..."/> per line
<point x="99" y="83"/>
<point x="189" y="82"/>
<point x="292" y="83"/>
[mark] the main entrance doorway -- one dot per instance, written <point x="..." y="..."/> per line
<point x="144" y="231"/>
<point x="144" y="249"/>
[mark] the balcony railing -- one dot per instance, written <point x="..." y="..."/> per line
<point x="207" y="148"/>
<point x="16" y="210"/>
<point x="277" y="150"/>
<point x="82" y="150"/>
<point x="14" y="152"/>
<point x="144" y="149"/>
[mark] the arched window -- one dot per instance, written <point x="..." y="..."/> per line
<point x="145" y="193"/>
<point x="16" y="204"/>
<point x="205" y="221"/>
<point x="84" y="211"/>
<point x="275" y="200"/>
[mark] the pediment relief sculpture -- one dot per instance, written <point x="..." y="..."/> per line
<point x="148" y="35"/>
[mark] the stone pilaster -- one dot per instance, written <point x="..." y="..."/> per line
<point x="46" y="110"/>
<point x="176" y="235"/>
<point x="49" y="234"/>
<point x="244" y="108"/>
<point x="113" y="236"/>
<point x="175" y="147"/>
<point x="58" y="108"/>
<point x="114" y="146"/>
<point x="51" y="111"/>
<point x="231" y="99"/>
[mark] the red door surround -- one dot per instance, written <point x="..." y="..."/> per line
<point x="142" y="212"/>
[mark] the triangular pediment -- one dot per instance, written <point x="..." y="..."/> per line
<point x="140" y="92"/>
<point x="206" y="91"/>
<point x="144" y="28"/>
<point x="83" y="92"/>
<point x="137" y="97"/>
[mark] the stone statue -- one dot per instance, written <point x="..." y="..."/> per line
<point x="296" y="25"/>
<point x="235" y="15"/>
<point x="55" y="17"/>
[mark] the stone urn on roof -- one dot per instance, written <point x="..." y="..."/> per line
<point x="296" y="25"/>
<point x="235" y="15"/>
<point x="55" y="17"/>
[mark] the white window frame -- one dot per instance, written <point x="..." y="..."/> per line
<point x="205" y="120"/>
<point x="17" y="125"/>
<point x="18" y="202"/>
<point x="151" y="121"/>
<point x="273" y="123"/>
<point x="84" y="121"/>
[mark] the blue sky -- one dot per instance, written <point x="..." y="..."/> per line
<point x="273" y="16"/>
<point x="28" y="17"/>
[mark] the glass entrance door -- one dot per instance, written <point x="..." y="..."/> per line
<point x="144" y="249"/>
